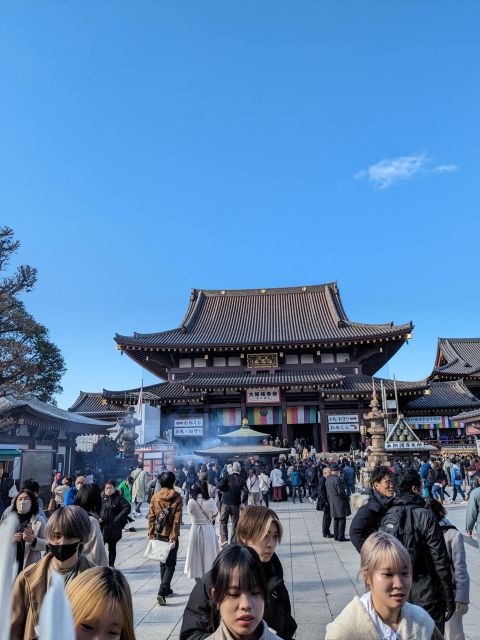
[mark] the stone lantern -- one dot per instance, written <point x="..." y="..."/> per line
<point x="377" y="454"/>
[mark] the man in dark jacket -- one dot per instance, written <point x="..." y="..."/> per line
<point x="349" y="477"/>
<point x="338" y="502"/>
<point x="368" y="517"/>
<point x="231" y="488"/>
<point x="201" y="617"/>
<point x="322" y="504"/>
<point x="418" y="530"/>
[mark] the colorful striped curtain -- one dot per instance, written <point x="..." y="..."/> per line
<point x="302" y="415"/>
<point x="264" y="415"/>
<point x="435" y="422"/>
<point x="226" y="417"/>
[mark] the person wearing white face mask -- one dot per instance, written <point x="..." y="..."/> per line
<point x="66" y="533"/>
<point x="30" y="532"/>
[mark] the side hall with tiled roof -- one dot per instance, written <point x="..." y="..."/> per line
<point x="457" y="358"/>
<point x="445" y="396"/>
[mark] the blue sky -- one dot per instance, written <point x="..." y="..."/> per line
<point x="151" y="147"/>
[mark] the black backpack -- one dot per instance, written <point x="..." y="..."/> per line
<point x="398" y="522"/>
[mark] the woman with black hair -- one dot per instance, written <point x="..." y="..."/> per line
<point x="260" y="529"/>
<point x="30" y="532"/>
<point x="239" y="592"/>
<point x="203" y="543"/>
<point x="113" y="517"/>
<point x="89" y="497"/>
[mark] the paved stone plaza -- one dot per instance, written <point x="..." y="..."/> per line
<point x="320" y="575"/>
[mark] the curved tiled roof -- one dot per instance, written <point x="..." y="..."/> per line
<point x="361" y="384"/>
<point x="282" y="377"/>
<point x="72" y="420"/>
<point x="284" y="316"/>
<point x="445" y="395"/>
<point x="94" y="404"/>
<point x="467" y="415"/>
<point x="160" y="391"/>
<point x="462" y="357"/>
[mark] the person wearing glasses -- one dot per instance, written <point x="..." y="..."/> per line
<point x="369" y="516"/>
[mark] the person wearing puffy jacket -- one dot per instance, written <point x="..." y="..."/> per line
<point x="113" y="517"/>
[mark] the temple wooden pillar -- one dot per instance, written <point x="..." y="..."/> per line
<point x="323" y="424"/>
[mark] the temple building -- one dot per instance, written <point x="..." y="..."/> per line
<point x="288" y="360"/>
<point x="458" y="358"/>
<point x="36" y="437"/>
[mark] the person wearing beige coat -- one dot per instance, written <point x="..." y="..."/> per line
<point x="355" y="622"/>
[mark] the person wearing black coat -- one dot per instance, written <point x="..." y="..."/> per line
<point x="199" y="623"/>
<point x="368" y="517"/>
<point x="113" y="517"/>
<point x="323" y="505"/>
<point x="338" y="501"/>
<point x="432" y="586"/>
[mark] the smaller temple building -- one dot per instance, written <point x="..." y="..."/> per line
<point x="37" y="437"/>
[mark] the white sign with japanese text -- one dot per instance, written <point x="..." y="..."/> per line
<point x="188" y="431"/>
<point x="263" y="395"/>
<point x="343" y="428"/>
<point x="342" y="419"/>
<point x="188" y="422"/>
<point x="405" y="445"/>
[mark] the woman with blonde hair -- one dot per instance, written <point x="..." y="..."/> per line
<point x="101" y="605"/>
<point x="260" y="529"/>
<point x="383" y="611"/>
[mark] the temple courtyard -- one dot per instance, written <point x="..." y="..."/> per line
<point x="320" y="575"/>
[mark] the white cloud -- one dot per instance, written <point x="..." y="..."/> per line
<point x="388" y="172"/>
<point x="445" y="168"/>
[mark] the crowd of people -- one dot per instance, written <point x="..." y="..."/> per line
<point x="412" y="558"/>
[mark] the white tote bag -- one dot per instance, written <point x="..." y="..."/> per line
<point x="157" y="550"/>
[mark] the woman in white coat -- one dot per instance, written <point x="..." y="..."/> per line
<point x="30" y="532"/>
<point x="203" y="544"/>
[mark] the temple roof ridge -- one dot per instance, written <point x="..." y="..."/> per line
<point x="251" y="317"/>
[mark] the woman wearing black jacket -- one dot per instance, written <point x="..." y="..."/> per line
<point x="113" y="517"/>
<point x="259" y="528"/>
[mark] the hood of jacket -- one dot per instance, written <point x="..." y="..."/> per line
<point x="168" y="495"/>
<point x="412" y="499"/>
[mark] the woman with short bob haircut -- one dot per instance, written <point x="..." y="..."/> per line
<point x="259" y="528"/>
<point x="238" y="594"/>
<point x="383" y="611"/>
<point x="66" y="533"/>
<point x="101" y="605"/>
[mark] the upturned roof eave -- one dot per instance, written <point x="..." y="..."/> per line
<point x="128" y="343"/>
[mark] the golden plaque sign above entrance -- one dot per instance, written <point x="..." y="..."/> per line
<point x="262" y="360"/>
